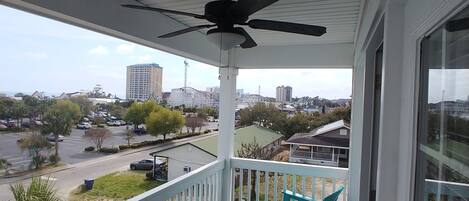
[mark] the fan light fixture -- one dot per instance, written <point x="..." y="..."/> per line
<point x="226" y="40"/>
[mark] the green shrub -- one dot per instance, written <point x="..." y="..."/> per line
<point x="109" y="150"/>
<point x="207" y="131"/>
<point x="90" y="148"/>
<point x="124" y="147"/>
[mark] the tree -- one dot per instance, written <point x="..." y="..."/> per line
<point x="259" y="113"/>
<point x="32" y="106"/>
<point x="6" y="108"/>
<point x="138" y="112"/>
<point x="128" y="136"/>
<point x="164" y="122"/>
<point x="251" y="150"/>
<point x="60" y="119"/>
<point x="19" y="111"/>
<point x="194" y="122"/>
<point x="38" y="190"/>
<point x="85" y="105"/>
<point x="35" y="144"/>
<point x="3" y="163"/>
<point x="97" y="136"/>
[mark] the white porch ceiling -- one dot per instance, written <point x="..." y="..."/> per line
<point x="339" y="16"/>
<point x="275" y="50"/>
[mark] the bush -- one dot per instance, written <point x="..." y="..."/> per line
<point x="109" y="150"/>
<point x="90" y="148"/>
<point x="54" y="158"/>
<point x="207" y="131"/>
<point x="124" y="147"/>
<point x="216" y="129"/>
<point x="149" y="175"/>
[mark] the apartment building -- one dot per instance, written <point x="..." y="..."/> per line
<point x="144" y="81"/>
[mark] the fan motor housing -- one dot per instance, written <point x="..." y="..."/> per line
<point x="219" y="13"/>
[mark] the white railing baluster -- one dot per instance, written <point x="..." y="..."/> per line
<point x="191" y="191"/>
<point x="183" y="195"/>
<point x="284" y="182"/>
<point x="241" y="184"/>
<point x="303" y="185"/>
<point x="293" y="183"/>
<point x="266" y="186"/>
<point x="249" y="185"/>
<point x="257" y="184"/>
<point x="206" y="189"/>
<point x="334" y="185"/>
<point x="233" y="183"/>
<point x="323" y="191"/>
<point x="178" y="197"/>
<point x="344" y="195"/>
<point x="313" y="187"/>
<point x="209" y="188"/>
<point x="275" y="186"/>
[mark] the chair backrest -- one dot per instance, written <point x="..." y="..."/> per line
<point x="334" y="196"/>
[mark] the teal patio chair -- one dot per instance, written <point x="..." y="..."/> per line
<point x="289" y="195"/>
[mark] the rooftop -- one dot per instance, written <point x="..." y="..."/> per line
<point x="262" y="135"/>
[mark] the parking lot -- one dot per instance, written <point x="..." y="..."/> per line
<point x="71" y="149"/>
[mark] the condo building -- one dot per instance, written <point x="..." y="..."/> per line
<point x="144" y="81"/>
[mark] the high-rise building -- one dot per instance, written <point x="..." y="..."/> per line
<point x="284" y="93"/>
<point x="144" y="81"/>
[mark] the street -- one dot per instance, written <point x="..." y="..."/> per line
<point x="73" y="175"/>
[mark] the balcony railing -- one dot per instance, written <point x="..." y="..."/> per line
<point x="266" y="180"/>
<point x="201" y="184"/>
<point x="251" y="180"/>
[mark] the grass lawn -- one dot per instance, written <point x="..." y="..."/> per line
<point x="115" y="186"/>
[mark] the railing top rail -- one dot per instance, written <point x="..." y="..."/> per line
<point x="290" y="168"/>
<point x="183" y="182"/>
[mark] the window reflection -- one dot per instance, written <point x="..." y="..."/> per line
<point x="443" y="151"/>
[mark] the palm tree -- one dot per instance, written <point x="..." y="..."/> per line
<point x="38" y="190"/>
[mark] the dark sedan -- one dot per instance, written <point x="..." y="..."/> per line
<point x="146" y="164"/>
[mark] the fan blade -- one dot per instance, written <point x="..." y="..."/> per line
<point x="287" y="27"/>
<point x="164" y="11"/>
<point x="187" y="30"/>
<point x="249" y="42"/>
<point x="248" y="7"/>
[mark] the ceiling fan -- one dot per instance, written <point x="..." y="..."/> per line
<point x="225" y="14"/>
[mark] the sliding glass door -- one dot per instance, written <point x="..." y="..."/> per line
<point x="442" y="168"/>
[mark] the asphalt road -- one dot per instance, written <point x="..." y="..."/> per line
<point x="68" y="179"/>
<point x="71" y="149"/>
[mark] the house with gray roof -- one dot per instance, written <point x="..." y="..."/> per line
<point x="187" y="157"/>
<point x="325" y="145"/>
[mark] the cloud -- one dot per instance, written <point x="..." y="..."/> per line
<point x="99" y="50"/>
<point x="145" y="58"/>
<point x="36" y="55"/>
<point x="125" y="48"/>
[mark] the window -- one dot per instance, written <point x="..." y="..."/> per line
<point x="187" y="169"/>
<point x="343" y="132"/>
<point x="442" y="169"/>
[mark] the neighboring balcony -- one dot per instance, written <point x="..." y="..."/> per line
<point x="252" y="180"/>
<point x="314" y="158"/>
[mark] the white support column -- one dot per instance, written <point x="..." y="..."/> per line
<point x="227" y="124"/>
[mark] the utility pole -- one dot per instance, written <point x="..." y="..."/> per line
<point x="185" y="73"/>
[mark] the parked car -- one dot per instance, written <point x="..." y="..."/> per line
<point x="3" y="126"/>
<point x="111" y="123"/>
<point x="84" y="125"/>
<point x="146" y="164"/>
<point x="38" y="123"/>
<point x="51" y="137"/>
<point x="25" y="125"/>
<point x="140" y="131"/>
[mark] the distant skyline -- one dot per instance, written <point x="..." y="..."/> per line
<point x="45" y="55"/>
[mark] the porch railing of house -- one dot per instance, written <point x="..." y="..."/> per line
<point x="315" y="155"/>
<point x="267" y="179"/>
<point x="200" y="184"/>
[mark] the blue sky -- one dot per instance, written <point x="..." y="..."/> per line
<point x="42" y="54"/>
